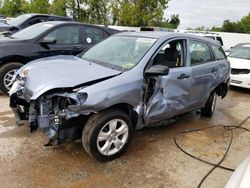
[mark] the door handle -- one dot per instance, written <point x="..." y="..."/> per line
<point x="183" y="76"/>
<point x="214" y="69"/>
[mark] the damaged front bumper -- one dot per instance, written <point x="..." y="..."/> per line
<point x="49" y="112"/>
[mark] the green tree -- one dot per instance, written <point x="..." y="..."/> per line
<point x="98" y="12"/>
<point x="171" y="23"/>
<point x="12" y="8"/>
<point x="245" y="24"/>
<point x="39" y="6"/>
<point x="58" y="7"/>
<point x="242" y="26"/>
<point x="138" y="13"/>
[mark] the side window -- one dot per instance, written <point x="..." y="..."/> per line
<point x="35" y="21"/>
<point x="65" y="35"/>
<point x="93" y="35"/>
<point x="218" y="52"/>
<point x="171" y="54"/>
<point x="199" y="52"/>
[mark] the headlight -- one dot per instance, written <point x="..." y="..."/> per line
<point x="82" y="97"/>
<point x="25" y="73"/>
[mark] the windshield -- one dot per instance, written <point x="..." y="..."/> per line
<point x="19" y="20"/>
<point x="32" y="31"/>
<point x="242" y="52"/>
<point x="122" y="52"/>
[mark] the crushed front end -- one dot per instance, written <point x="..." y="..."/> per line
<point x="49" y="112"/>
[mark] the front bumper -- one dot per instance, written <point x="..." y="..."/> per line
<point x="240" y="80"/>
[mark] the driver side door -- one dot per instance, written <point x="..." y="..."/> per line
<point x="168" y="96"/>
<point x="68" y="41"/>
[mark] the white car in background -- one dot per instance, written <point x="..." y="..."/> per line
<point x="240" y="66"/>
<point x="241" y="176"/>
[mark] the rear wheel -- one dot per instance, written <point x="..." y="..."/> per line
<point x="7" y="72"/>
<point x="107" y="134"/>
<point x="209" y="108"/>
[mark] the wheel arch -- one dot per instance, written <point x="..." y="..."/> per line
<point x="222" y="90"/>
<point x="128" y="109"/>
<point x="15" y="58"/>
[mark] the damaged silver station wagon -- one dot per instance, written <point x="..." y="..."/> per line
<point x="126" y="82"/>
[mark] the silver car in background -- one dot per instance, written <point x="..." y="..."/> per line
<point x="129" y="81"/>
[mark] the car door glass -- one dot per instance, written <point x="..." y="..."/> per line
<point x="93" y="35"/>
<point x="218" y="52"/>
<point x="199" y="52"/>
<point x="35" y="21"/>
<point x="171" y="54"/>
<point x="65" y="35"/>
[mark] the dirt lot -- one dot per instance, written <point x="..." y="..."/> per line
<point x="152" y="159"/>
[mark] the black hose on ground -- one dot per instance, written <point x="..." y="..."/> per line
<point x="230" y="128"/>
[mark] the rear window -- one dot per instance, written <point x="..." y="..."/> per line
<point x="218" y="52"/>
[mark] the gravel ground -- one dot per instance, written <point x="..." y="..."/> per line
<point x="152" y="159"/>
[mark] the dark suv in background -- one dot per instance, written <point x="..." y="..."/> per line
<point x="27" y="20"/>
<point x="43" y="40"/>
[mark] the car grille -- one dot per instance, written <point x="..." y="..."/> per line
<point x="27" y="94"/>
<point x="240" y="71"/>
<point x="236" y="82"/>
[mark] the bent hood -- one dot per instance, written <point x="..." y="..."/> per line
<point x="62" y="72"/>
<point x="237" y="63"/>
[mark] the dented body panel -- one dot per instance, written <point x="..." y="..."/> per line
<point x="61" y="89"/>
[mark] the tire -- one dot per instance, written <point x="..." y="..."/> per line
<point x="209" y="108"/>
<point x="7" y="71"/>
<point x="100" y="141"/>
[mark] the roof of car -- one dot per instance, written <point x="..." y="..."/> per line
<point x="76" y="23"/>
<point x="52" y="15"/>
<point x="163" y="34"/>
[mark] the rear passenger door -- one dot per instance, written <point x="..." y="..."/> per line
<point x="92" y="35"/>
<point x="204" y="71"/>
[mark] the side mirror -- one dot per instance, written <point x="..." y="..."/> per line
<point x="157" y="70"/>
<point x="48" y="40"/>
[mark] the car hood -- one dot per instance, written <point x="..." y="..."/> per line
<point x="7" y="40"/>
<point x="5" y="27"/>
<point x="62" y="72"/>
<point x="237" y="63"/>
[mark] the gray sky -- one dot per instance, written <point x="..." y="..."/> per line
<point x="194" y="13"/>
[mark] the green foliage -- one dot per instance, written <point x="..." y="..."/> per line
<point x="116" y="12"/>
<point x="39" y="6"/>
<point x="138" y="13"/>
<point x="245" y="24"/>
<point x="58" y="7"/>
<point x="12" y="7"/>
<point x="171" y="23"/>
<point x="242" y="26"/>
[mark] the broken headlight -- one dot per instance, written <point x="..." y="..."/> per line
<point x="81" y="97"/>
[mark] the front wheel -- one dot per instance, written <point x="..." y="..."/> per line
<point x="7" y="72"/>
<point x="106" y="134"/>
<point x="209" y="108"/>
